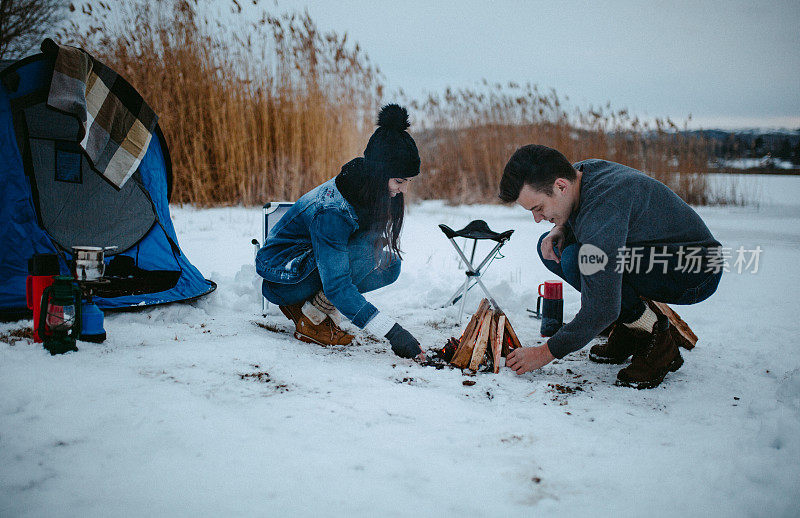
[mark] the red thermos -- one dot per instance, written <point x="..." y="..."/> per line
<point x="41" y="269"/>
<point x="550" y="305"/>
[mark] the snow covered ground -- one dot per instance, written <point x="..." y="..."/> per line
<point x="198" y="410"/>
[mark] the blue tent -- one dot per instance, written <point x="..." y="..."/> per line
<point x="52" y="199"/>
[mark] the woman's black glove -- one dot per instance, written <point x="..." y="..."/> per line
<point x="403" y="344"/>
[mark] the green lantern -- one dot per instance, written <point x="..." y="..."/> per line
<point x="60" y="317"/>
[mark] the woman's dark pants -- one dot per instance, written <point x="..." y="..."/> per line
<point x="368" y="272"/>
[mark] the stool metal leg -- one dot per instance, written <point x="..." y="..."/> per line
<point x="272" y="212"/>
<point x="467" y="282"/>
<point x="462" y="294"/>
<point x="458" y="294"/>
<point x="486" y="291"/>
<point x="264" y="230"/>
<point x="472" y="255"/>
<point x="489" y="257"/>
<point x="264" y="303"/>
<point x="464" y="289"/>
<point x="473" y="273"/>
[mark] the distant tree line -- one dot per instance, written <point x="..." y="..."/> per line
<point x="784" y="145"/>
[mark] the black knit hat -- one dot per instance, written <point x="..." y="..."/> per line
<point x="391" y="152"/>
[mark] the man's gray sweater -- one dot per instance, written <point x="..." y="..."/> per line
<point x="621" y="207"/>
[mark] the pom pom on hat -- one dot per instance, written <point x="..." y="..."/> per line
<point x="393" y="116"/>
<point x="391" y="152"/>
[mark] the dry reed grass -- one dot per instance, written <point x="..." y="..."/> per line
<point x="267" y="110"/>
<point x="253" y="112"/>
<point x="470" y="134"/>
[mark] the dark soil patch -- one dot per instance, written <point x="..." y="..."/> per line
<point x="260" y="376"/>
<point x="437" y="363"/>
<point x="264" y="377"/>
<point x="271" y="327"/>
<point x="17" y="335"/>
<point x="560" y="392"/>
<point x="438" y="324"/>
<point x="563" y="389"/>
<point x="365" y="339"/>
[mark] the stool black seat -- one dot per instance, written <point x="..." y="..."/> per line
<point x="477" y="229"/>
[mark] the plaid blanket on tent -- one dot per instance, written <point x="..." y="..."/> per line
<point x="116" y="123"/>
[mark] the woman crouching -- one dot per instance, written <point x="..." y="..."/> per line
<point x="340" y="240"/>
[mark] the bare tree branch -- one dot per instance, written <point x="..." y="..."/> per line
<point x="25" y="23"/>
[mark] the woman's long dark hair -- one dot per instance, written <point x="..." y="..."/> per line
<point x="377" y="210"/>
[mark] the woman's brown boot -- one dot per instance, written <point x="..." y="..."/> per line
<point x="324" y="333"/>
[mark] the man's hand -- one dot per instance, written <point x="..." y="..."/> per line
<point x="526" y="359"/>
<point x="554" y="238"/>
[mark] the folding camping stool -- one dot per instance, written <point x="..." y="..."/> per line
<point x="273" y="212"/>
<point x="476" y="230"/>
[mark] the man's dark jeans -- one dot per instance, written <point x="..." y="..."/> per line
<point x="673" y="287"/>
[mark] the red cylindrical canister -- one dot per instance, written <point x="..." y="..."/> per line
<point x="552" y="290"/>
<point x="42" y="268"/>
<point x="552" y="307"/>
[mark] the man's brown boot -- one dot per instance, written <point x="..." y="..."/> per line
<point x="605" y="333"/>
<point x="621" y="344"/>
<point x="326" y="333"/>
<point x="680" y="339"/>
<point x="653" y="359"/>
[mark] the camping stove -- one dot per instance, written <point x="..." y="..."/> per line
<point x="88" y="267"/>
<point x="91" y="316"/>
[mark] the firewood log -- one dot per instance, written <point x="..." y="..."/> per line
<point x="482" y="341"/>
<point x="475" y="320"/>
<point x="492" y="332"/>
<point x="463" y="355"/>
<point x="512" y="335"/>
<point x="497" y="343"/>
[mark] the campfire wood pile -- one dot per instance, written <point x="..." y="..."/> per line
<point x="488" y="337"/>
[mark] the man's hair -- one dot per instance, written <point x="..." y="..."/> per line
<point x="537" y="166"/>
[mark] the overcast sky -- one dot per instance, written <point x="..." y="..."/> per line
<point x="728" y="63"/>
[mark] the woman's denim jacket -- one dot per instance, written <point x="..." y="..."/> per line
<point x="313" y="234"/>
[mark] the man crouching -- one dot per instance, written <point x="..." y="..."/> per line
<point x="619" y="237"/>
